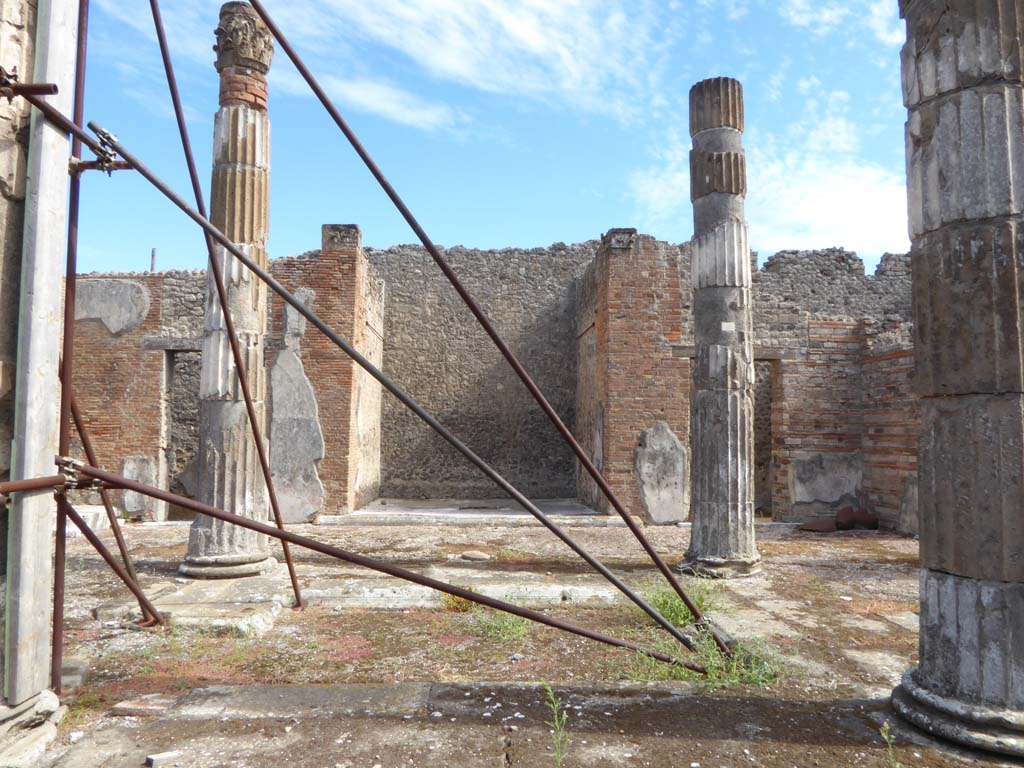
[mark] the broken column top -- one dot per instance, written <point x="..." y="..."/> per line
<point x="336" y="236"/>
<point x="243" y="40"/>
<point x="716" y="103"/>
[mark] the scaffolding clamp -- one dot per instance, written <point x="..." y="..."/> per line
<point x="69" y="468"/>
<point x="105" y="154"/>
<point x="11" y="87"/>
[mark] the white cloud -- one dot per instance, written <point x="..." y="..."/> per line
<point x="662" y="190"/>
<point x="879" y="18"/>
<point x="599" y="56"/>
<point x="884" y="22"/>
<point x="809" y="185"/>
<point x="819" y="17"/>
<point x="803" y="201"/>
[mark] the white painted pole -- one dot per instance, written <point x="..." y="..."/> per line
<point x="37" y="392"/>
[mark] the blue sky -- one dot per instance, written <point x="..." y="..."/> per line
<point x="516" y="122"/>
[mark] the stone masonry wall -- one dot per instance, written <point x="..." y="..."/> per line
<point x="833" y="398"/>
<point x="436" y="351"/>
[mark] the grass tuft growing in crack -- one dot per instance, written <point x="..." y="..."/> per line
<point x="665" y="601"/>
<point x="751" y="664"/>
<point x="499" y="625"/>
<point x="456" y="604"/>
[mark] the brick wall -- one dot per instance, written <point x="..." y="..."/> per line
<point x="892" y="418"/>
<point x="816" y="410"/>
<point x="338" y="277"/>
<point x="120" y="379"/>
<point x="639" y="374"/>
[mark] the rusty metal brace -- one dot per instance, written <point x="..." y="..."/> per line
<point x="10" y="86"/>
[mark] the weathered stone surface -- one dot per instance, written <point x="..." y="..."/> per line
<point x="243" y="40"/>
<point x="721" y="257"/>
<point x="909" y="517"/>
<point x="296" y="438"/>
<point x="722" y="406"/>
<point x="960" y="44"/>
<point x="227" y="463"/>
<point x="971" y="483"/>
<point x="827" y="480"/>
<point x="142" y="469"/>
<point x="439" y="353"/>
<point x="965" y="174"/>
<point x="716" y="103"/>
<point x="723" y="459"/>
<point x="662" y="469"/>
<point x="969" y="685"/>
<point x="119" y="304"/>
<point x="968" y="290"/>
<point x="717" y="172"/>
<point x="965" y="158"/>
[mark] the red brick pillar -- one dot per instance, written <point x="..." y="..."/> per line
<point x="351" y="468"/>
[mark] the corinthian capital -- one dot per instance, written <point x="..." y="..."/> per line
<point x="243" y="40"/>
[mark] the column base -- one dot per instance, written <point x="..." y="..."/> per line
<point x="715" y="568"/>
<point x="972" y="725"/>
<point x="225" y="568"/>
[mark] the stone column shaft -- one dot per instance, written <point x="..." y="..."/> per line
<point x="962" y="84"/>
<point x="229" y="474"/>
<point x="722" y="535"/>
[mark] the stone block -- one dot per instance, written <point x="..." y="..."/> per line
<point x="909" y="518"/>
<point x="970" y="485"/>
<point x="722" y="445"/>
<point x="968" y="290"/>
<point x="717" y="172"/>
<point x="296" y="440"/>
<point x="721" y="258"/>
<point x="965" y="158"/>
<point x="826" y="479"/>
<point x="716" y="103"/>
<point x="972" y="640"/>
<point x="960" y="44"/>
<point x="120" y="305"/>
<point x="141" y="469"/>
<point x="723" y="368"/>
<point x="663" y="475"/>
<point x="722" y="316"/>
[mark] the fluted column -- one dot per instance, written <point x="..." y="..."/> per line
<point x="229" y="473"/>
<point x="722" y="535"/>
<point x="962" y="84"/>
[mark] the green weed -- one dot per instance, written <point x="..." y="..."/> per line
<point x="499" y="625"/>
<point x="456" y="604"/>
<point x="560" y="738"/>
<point x="890" y="747"/>
<point x="750" y="664"/>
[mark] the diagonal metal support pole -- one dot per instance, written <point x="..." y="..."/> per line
<point x="148" y="609"/>
<point x="486" y="324"/>
<point x="376" y="565"/>
<point x="106" y="150"/>
<point x="222" y="296"/>
<point x="115" y="525"/>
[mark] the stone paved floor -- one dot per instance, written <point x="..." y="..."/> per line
<point x="377" y="673"/>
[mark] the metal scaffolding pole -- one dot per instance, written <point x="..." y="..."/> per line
<point x="108" y="145"/>
<point x="485" y="323"/>
<point x="375" y="565"/>
<point x="222" y="295"/>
